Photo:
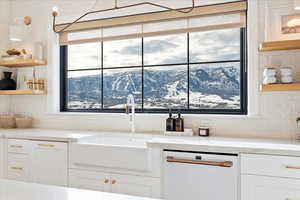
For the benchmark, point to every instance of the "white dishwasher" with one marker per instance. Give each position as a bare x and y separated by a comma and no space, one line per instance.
200,176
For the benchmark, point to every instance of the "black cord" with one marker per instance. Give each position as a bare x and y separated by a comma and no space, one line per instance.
180,10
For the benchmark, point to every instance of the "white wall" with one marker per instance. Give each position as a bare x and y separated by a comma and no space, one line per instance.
276,111
4,15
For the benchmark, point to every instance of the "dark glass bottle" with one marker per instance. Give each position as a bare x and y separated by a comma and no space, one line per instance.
179,123
170,122
7,83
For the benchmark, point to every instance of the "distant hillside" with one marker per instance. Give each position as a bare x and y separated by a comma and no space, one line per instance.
210,87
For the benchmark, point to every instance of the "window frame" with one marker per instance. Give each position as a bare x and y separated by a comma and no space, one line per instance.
243,83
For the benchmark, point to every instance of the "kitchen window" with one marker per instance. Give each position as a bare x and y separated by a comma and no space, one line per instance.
198,72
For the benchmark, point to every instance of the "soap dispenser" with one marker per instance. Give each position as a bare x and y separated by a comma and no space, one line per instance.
170,122
179,123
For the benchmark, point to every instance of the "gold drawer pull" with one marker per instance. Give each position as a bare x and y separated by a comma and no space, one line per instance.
16,146
292,167
113,182
46,145
106,181
17,168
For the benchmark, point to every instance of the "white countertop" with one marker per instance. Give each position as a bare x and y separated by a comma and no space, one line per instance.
12,190
45,134
227,145
185,143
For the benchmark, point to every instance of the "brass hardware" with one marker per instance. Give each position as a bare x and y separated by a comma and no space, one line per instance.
292,167
113,182
16,146
17,168
200,162
106,181
46,145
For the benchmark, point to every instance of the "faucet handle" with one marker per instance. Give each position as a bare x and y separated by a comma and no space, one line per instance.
126,109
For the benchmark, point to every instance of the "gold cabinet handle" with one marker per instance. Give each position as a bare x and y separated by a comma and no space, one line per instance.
292,167
16,146
46,145
106,181
113,182
17,168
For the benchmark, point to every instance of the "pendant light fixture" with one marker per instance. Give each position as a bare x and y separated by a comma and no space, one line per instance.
297,4
116,7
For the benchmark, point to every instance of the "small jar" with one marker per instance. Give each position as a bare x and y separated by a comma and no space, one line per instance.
203,132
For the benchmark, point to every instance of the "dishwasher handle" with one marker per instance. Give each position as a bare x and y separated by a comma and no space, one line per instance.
200,162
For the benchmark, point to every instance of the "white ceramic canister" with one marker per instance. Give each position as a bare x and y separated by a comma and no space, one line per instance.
269,72
286,71
286,79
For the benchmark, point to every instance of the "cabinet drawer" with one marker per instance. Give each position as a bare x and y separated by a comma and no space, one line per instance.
17,168
269,188
17,146
278,166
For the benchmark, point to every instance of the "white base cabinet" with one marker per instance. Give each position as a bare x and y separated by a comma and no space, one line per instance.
116,183
267,177
269,188
135,185
49,163
89,180
37,161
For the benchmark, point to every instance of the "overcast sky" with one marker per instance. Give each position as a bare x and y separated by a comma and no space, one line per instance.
204,46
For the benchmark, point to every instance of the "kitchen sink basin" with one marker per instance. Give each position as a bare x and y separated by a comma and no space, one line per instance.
120,152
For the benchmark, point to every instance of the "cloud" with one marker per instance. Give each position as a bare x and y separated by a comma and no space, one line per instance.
130,50
215,45
155,46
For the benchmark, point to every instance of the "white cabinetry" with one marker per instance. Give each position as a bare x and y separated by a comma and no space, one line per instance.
116,183
135,185
17,160
49,163
269,188
266,177
37,161
90,180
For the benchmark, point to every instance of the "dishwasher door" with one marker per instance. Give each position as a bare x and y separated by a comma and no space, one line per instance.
200,176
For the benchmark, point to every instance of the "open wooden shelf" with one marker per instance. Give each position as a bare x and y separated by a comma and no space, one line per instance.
280,87
280,45
23,63
23,92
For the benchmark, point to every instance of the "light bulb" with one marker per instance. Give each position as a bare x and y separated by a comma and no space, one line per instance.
54,11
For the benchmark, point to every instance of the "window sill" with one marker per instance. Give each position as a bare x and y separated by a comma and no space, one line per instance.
206,116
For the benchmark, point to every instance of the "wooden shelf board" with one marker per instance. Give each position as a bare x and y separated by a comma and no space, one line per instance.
280,45
23,92
23,63
280,87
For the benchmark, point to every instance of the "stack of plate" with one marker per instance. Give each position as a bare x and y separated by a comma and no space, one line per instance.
10,57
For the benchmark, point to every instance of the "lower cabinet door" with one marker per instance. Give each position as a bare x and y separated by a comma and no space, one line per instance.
89,180
49,163
136,185
269,188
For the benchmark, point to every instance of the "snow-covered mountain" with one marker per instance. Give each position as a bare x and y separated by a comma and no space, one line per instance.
210,87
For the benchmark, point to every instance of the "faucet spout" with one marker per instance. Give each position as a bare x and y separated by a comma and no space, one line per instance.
131,105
